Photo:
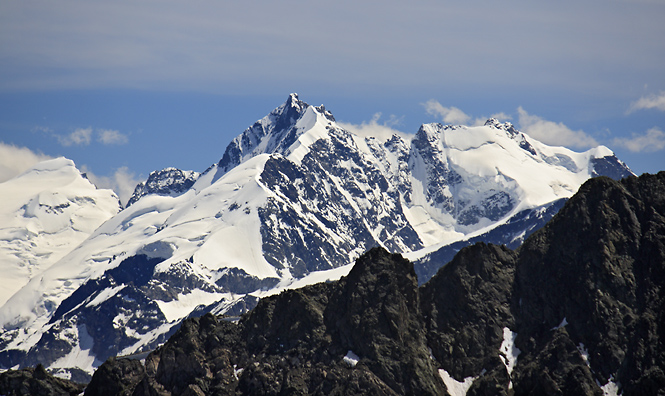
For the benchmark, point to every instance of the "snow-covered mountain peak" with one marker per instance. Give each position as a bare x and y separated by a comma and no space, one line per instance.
601,152
312,126
59,170
168,181
281,132
495,123
294,194
46,212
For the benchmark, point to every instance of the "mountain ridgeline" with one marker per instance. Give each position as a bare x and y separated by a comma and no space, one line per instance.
576,310
294,200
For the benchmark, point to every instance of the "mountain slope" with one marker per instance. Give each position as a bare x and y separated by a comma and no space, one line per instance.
581,300
169,181
361,335
46,212
293,198
609,244
577,309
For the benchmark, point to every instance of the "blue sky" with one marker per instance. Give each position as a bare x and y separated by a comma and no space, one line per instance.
127,87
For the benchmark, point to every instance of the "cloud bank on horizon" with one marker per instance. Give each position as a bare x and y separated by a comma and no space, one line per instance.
568,73
210,45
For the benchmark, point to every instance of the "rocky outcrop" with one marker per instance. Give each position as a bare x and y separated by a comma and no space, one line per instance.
582,297
36,382
466,306
598,268
169,182
361,335
577,309
116,377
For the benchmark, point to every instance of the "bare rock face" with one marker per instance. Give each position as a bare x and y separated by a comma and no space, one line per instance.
361,335
466,305
577,309
36,382
599,268
375,312
116,377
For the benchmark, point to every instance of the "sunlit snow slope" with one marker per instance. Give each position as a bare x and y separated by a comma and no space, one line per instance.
46,212
294,197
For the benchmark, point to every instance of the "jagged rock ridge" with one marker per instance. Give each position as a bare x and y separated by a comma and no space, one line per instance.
36,382
577,309
169,181
300,342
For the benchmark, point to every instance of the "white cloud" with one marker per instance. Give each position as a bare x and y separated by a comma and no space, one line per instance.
83,136
449,115
383,131
110,136
123,182
502,116
553,133
15,160
453,115
651,141
649,102
42,129
80,137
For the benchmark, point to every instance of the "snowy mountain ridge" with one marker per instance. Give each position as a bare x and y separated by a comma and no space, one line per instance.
294,197
168,181
47,211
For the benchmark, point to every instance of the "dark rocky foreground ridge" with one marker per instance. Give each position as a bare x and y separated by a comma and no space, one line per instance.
36,382
583,299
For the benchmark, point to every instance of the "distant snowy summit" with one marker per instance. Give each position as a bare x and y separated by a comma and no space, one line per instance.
169,181
294,198
46,212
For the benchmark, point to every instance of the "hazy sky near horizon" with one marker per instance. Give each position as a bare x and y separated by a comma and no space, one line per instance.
126,87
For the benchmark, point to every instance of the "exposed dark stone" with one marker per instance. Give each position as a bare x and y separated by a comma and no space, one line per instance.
375,312
237,308
295,342
556,368
600,264
324,209
280,127
168,182
306,216
439,174
137,270
610,166
585,296
95,322
466,305
179,278
36,382
116,377
511,234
